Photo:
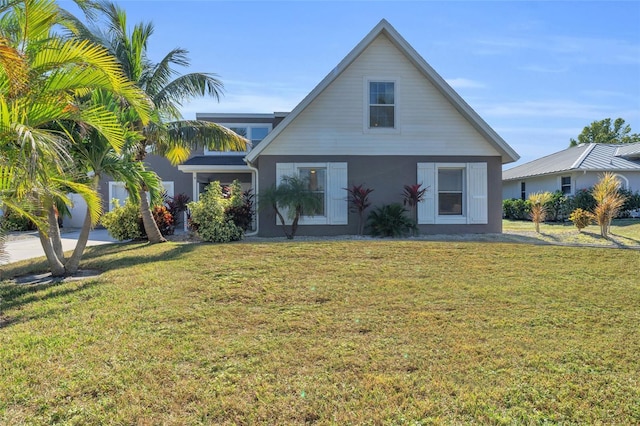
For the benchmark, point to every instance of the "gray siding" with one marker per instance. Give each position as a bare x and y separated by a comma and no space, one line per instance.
386,175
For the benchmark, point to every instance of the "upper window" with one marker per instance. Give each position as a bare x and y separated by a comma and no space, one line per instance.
254,133
565,184
382,105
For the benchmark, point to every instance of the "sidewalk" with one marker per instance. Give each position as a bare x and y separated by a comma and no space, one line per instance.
27,245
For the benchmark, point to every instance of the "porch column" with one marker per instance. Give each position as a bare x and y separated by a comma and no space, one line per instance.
194,184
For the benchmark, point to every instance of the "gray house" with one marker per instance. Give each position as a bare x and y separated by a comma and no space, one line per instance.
574,168
382,118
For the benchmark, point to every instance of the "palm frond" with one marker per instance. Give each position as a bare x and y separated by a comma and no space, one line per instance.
187,87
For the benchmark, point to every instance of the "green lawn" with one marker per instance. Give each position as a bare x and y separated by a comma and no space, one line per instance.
327,332
624,233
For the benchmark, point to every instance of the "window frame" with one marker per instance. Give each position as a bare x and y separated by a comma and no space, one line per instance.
475,194
168,186
563,185
367,105
249,127
523,191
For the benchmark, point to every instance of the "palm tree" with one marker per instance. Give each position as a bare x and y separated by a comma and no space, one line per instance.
167,134
44,83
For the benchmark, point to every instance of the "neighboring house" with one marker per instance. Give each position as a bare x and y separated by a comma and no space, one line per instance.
575,168
382,118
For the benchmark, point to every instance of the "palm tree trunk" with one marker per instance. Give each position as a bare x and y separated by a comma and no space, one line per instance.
71,265
55,264
150,225
54,233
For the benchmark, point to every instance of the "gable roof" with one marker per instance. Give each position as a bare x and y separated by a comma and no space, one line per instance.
507,153
595,157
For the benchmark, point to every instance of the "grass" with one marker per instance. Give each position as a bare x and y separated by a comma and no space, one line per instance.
327,332
624,233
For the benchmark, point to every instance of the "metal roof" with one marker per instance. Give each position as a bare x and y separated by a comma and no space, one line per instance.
594,156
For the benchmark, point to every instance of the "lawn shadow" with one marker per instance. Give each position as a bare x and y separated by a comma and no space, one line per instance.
124,255
15,295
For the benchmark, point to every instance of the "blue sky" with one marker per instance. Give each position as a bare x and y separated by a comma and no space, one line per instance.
537,72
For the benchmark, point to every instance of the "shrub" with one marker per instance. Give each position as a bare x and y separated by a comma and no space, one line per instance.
11,221
358,202
516,209
390,221
539,202
558,207
581,218
583,200
631,202
164,220
242,215
176,206
123,222
208,219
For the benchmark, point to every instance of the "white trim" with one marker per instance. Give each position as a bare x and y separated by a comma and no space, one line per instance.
624,182
507,153
112,186
366,106
213,169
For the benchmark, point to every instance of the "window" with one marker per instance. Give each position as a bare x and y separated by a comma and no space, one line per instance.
327,181
316,179
382,105
254,133
118,191
450,190
565,185
457,193
523,191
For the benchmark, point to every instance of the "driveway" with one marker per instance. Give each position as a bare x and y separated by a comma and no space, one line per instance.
26,245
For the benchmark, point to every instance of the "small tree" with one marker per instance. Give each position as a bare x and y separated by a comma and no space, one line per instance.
412,195
359,202
609,201
539,202
292,198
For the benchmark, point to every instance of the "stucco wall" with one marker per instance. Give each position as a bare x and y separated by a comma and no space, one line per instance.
386,175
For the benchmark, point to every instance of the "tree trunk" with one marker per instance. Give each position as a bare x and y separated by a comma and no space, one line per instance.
55,264
54,233
71,265
150,225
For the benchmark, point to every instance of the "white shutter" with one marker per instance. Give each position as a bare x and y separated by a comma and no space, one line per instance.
477,193
284,169
427,207
337,204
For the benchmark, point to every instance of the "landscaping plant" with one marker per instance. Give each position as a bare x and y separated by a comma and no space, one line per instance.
241,210
390,220
358,203
516,209
539,202
291,198
581,218
208,219
609,201
122,221
177,205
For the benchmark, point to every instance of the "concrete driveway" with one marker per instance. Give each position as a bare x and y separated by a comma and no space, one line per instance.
26,245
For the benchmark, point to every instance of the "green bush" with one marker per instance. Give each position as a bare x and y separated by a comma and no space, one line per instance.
558,207
583,200
11,221
390,220
208,219
631,202
516,209
123,222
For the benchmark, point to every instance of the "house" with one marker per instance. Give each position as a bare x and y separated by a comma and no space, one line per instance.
572,169
383,118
